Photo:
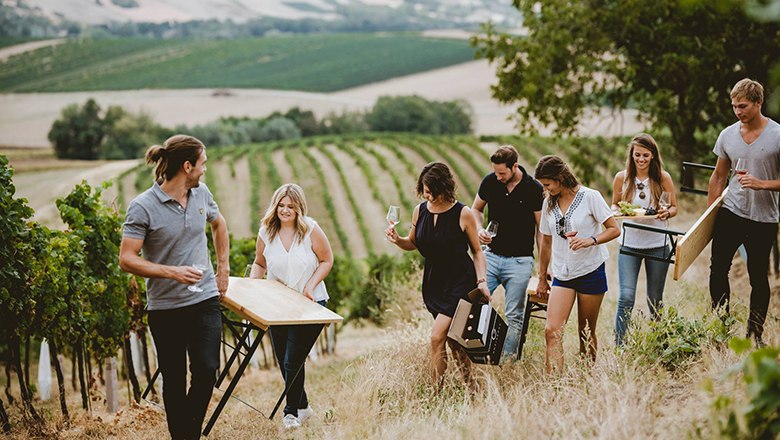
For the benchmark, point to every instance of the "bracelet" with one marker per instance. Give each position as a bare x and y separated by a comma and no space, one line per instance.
480,281
595,241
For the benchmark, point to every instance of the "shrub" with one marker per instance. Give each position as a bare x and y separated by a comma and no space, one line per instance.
759,417
674,341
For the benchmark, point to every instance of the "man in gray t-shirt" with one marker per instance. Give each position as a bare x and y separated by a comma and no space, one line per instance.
167,224
749,215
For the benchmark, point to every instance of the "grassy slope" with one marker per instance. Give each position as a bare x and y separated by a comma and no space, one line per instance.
319,63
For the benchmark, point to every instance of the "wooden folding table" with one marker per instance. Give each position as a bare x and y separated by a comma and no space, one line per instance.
263,304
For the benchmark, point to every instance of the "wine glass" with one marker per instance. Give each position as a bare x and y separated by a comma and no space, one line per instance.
569,231
202,268
492,231
393,215
665,201
740,168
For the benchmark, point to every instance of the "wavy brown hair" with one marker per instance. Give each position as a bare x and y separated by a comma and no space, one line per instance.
554,168
172,154
271,220
438,178
656,170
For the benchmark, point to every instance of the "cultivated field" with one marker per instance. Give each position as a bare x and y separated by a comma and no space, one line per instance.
321,63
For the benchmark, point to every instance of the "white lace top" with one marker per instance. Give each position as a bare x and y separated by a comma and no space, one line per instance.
293,268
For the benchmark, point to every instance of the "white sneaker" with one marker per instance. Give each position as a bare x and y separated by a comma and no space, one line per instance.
291,422
305,413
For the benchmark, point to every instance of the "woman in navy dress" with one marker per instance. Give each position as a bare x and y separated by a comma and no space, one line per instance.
443,230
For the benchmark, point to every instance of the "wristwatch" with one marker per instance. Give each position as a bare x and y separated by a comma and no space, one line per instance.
595,242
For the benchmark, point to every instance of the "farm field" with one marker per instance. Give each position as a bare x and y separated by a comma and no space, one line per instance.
321,63
349,180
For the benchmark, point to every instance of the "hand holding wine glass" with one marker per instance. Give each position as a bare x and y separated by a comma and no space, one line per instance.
740,169
664,203
491,231
393,217
202,268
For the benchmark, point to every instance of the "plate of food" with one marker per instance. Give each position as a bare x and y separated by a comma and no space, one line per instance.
628,211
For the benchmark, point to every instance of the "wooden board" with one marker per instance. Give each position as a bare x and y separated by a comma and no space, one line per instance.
532,283
696,239
266,303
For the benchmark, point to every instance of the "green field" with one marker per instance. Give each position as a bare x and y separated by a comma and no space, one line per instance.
317,63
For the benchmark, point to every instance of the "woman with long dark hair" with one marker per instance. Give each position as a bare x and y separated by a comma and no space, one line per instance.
643,182
576,223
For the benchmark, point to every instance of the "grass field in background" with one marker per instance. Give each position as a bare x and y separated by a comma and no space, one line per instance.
318,63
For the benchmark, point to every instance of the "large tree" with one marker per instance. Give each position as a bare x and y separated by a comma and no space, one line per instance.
674,60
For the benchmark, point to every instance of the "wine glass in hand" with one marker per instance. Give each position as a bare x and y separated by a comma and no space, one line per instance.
393,216
740,168
492,231
202,269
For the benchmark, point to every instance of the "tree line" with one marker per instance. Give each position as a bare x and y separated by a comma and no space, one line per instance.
88,132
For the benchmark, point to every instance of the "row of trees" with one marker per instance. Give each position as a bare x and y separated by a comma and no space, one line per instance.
88,132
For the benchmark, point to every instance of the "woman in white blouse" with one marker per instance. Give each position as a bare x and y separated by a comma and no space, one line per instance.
576,222
293,249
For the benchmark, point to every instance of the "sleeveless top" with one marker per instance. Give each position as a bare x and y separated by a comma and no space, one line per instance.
293,268
636,238
449,273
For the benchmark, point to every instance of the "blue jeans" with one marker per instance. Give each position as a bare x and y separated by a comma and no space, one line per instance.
513,273
292,344
628,272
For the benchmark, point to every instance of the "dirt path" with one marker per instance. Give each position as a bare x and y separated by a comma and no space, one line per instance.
345,215
373,211
42,188
8,52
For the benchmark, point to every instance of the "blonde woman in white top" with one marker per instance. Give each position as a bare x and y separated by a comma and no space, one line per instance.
293,249
642,183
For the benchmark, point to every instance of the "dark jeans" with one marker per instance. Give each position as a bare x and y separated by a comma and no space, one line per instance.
729,233
195,331
292,344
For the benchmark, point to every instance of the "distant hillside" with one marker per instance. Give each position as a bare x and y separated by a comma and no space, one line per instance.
318,63
95,12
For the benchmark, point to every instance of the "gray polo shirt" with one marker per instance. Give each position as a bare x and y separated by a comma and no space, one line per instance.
763,161
173,236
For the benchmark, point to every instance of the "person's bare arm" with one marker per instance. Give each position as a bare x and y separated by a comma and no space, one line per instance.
321,247
219,231
468,223
617,190
131,262
718,180
405,243
259,266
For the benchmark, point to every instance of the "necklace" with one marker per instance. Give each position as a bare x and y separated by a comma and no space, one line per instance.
640,185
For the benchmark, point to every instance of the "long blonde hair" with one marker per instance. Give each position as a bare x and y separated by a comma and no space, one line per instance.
655,170
271,220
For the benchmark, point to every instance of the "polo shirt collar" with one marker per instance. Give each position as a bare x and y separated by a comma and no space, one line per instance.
162,196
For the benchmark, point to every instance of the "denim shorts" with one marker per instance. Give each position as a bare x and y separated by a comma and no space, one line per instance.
594,283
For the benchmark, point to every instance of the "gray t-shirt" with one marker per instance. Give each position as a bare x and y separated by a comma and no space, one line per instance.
763,162
173,236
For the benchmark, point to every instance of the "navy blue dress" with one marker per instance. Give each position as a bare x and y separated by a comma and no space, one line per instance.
449,273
